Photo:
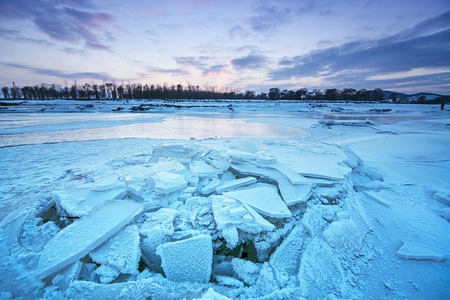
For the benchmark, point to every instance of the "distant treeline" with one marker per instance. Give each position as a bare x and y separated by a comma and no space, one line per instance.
113,91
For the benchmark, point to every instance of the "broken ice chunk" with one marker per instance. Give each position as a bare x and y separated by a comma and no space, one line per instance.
84,235
410,250
245,270
232,213
321,165
266,160
78,201
263,199
166,182
291,194
242,155
171,166
212,294
210,187
442,196
202,169
121,252
234,184
187,260
106,182
344,235
286,257
67,275
161,221
293,176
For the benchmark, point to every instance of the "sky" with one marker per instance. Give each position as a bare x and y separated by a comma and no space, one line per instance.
231,45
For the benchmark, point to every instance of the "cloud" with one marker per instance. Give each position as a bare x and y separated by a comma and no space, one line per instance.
61,74
424,46
67,20
251,61
191,61
215,69
272,14
169,71
206,64
14,35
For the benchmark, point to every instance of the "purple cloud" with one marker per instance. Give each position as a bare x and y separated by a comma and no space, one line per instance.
424,46
61,74
66,20
251,61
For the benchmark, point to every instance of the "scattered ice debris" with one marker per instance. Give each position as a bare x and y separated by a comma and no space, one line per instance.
264,199
84,235
187,260
411,250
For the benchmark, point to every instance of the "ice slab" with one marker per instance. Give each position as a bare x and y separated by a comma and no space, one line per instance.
265,200
234,184
106,182
242,155
202,169
78,201
230,213
84,235
411,250
121,252
321,165
294,177
171,166
291,194
210,187
166,182
286,257
187,260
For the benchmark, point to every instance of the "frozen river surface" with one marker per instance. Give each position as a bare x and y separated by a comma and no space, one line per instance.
361,198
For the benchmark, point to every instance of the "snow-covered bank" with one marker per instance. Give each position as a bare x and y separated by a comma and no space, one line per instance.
354,208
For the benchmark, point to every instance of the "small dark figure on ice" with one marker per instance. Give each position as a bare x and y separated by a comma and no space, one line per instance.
442,105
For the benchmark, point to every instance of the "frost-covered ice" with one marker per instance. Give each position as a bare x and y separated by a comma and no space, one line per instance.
300,202
85,235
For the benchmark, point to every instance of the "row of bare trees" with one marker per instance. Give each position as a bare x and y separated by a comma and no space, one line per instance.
113,91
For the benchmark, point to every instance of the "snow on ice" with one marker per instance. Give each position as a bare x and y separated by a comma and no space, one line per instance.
339,210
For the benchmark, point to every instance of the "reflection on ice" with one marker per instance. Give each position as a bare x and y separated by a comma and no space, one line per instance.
170,128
